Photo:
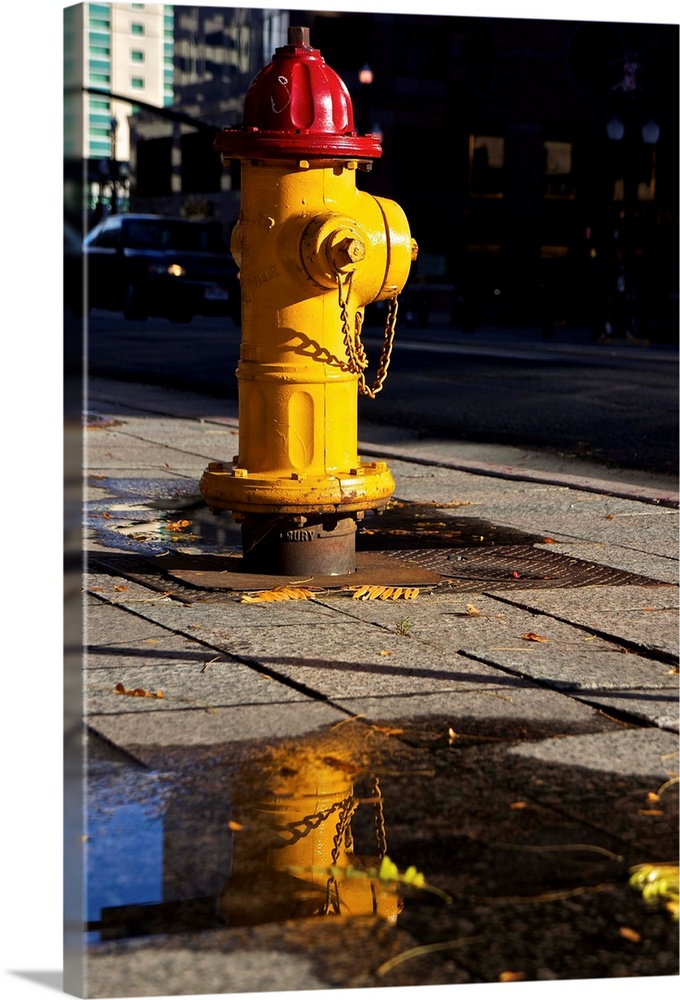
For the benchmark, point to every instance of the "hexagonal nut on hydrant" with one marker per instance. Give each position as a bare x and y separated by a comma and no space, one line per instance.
347,251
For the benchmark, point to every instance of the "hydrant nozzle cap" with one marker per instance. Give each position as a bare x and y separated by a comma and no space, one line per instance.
297,106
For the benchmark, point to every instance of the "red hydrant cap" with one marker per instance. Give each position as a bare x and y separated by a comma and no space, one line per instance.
297,106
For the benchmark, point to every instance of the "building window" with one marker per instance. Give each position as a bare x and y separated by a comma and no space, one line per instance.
486,158
136,56
96,104
557,170
136,29
100,50
137,82
100,78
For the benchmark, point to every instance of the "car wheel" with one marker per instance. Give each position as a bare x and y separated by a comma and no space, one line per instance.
134,306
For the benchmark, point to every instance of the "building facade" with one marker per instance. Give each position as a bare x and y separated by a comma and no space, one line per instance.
114,56
174,168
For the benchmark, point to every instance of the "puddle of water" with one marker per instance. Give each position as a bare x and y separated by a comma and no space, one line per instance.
423,829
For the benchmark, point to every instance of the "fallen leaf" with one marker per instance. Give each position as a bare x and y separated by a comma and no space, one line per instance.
532,637
653,797
549,541
387,652
177,525
517,805
120,588
512,977
515,575
629,934
473,611
609,517
650,812
233,825
372,592
136,692
278,594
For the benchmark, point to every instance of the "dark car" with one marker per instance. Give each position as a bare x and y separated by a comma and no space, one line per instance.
152,265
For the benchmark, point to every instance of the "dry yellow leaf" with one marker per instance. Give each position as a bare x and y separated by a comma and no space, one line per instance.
629,934
472,611
136,692
518,805
532,637
178,525
233,825
278,594
372,592
651,812
512,977
653,797
387,652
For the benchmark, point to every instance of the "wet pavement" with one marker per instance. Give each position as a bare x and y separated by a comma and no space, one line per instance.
453,786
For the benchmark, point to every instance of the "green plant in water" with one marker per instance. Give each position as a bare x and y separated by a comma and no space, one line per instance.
386,873
658,885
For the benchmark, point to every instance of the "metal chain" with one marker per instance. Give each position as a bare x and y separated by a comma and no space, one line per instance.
349,807
302,827
356,356
379,818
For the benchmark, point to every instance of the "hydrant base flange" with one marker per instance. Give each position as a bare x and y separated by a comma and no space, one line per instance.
367,487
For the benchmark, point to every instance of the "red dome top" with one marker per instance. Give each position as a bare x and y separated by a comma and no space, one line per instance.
297,106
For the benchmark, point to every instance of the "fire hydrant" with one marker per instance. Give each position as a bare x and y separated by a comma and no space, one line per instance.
313,252
293,850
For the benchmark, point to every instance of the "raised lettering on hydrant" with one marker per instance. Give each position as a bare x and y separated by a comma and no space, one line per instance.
313,252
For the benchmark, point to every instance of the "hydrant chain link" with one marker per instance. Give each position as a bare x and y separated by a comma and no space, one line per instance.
356,355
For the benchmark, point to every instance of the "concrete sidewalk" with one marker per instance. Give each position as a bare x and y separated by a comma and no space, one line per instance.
590,671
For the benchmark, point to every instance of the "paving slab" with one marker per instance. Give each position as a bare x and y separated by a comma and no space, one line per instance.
594,669
644,619
214,726
517,705
646,753
183,685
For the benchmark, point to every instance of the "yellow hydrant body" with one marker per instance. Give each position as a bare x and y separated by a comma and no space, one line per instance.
313,252
293,850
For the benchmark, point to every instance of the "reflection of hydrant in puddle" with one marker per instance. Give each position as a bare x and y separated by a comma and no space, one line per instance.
293,852
313,252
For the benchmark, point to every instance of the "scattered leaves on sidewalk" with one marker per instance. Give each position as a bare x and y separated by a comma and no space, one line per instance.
512,977
278,594
372,593
137,692
533,637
